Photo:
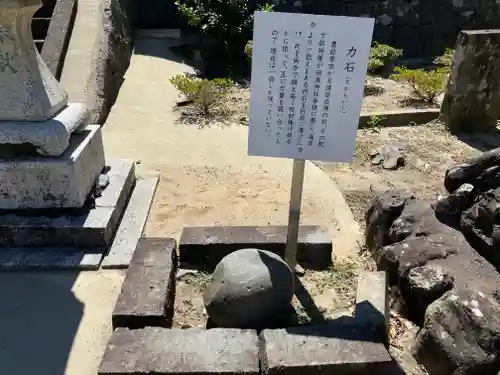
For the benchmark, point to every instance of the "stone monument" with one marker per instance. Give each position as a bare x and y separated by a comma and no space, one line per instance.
472,98
36,119
50,158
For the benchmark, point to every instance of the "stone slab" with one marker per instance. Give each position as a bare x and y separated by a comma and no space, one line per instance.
372,302
39,182
51,137
58,35
323,349
49,258
89,228
162,351
148,291
400,117
206,246
132,224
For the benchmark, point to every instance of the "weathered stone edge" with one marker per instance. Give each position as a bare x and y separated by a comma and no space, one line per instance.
132,224
58,35
111,56
401,117
207,254
372,303
137,320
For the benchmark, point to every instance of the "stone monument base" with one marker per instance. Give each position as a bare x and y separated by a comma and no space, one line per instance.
50,137
108,227
37,182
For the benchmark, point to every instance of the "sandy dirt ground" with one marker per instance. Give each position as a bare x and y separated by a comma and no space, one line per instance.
428,151
206,176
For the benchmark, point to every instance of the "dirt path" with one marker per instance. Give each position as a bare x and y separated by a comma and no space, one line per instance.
206,176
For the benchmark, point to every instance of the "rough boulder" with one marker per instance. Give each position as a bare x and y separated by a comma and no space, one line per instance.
248,289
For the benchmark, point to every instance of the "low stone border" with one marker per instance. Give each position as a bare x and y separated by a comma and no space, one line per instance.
204,247
143,343
148,291
400,117
58,35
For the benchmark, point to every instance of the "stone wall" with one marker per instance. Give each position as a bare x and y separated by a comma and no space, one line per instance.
420,27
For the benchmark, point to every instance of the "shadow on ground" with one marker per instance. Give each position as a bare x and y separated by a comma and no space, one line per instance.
482,141
165,48
39,317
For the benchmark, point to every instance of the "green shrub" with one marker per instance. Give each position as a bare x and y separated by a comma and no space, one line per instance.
204,93
227,22
426,85
382,55
249,49
446,59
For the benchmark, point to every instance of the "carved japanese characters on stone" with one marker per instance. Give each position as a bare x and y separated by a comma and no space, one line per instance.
28,90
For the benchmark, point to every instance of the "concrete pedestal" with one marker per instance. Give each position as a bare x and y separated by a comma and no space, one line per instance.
36,182
48,138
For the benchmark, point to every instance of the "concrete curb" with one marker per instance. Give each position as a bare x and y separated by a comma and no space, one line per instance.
400,117
142,337
58,35
204,247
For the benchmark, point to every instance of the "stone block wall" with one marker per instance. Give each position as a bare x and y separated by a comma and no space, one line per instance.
420,27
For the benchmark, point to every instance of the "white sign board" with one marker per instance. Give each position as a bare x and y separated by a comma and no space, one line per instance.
308,76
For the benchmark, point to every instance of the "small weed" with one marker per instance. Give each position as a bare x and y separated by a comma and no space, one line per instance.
342,277
426,84
375,121
204,94
200,279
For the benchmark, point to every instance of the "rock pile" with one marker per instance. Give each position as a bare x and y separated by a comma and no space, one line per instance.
443,256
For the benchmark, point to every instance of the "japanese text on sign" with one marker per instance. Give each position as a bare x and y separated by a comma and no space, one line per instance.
308,73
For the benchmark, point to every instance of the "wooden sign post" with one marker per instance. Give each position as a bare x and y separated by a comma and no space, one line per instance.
308,76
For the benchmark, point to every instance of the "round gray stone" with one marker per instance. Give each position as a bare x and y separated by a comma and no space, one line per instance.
249,287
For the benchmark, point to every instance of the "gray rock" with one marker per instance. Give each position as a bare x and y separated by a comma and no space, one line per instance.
461,335
481,225
424,285
469,171
385,208
103,181
404,235
389,155
449,209
248,288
